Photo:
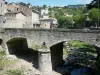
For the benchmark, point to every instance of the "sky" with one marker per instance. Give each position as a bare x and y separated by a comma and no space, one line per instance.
52,2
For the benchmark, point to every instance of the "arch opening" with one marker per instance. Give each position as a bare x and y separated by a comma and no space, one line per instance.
1,44
67,56
19,48
0,41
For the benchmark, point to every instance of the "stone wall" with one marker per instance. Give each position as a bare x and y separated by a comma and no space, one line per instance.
52,36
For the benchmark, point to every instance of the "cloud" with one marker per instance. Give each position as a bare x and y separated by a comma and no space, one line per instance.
83,1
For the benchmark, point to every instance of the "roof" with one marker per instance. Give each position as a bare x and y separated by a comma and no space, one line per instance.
19,8
46,19
15,13
33,10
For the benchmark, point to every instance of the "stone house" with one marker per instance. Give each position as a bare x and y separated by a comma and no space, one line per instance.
14,16
48,23
35,19
15,20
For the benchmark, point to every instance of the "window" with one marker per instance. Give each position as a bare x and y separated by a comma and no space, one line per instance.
1,4
17,9
33,25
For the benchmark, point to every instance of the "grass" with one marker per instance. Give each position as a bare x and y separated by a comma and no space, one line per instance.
65,52
5,62
2,53
77,44
15,72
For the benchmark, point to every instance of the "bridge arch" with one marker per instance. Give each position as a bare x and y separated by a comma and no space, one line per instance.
1,43
17,45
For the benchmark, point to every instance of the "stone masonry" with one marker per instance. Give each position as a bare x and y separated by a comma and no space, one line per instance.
53,39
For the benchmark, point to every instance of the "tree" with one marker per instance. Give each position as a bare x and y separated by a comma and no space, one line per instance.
94,15
21,3
94,4
64,22
79,20
24,4
77,11
44,6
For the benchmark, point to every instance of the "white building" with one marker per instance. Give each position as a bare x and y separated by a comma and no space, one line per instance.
44,13
45,21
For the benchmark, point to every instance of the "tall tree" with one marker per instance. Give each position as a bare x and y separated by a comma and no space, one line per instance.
64,22
94,4
94,15
79,20
44,6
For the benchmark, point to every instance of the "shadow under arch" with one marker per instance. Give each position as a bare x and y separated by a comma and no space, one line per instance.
18,46
1,41
1,45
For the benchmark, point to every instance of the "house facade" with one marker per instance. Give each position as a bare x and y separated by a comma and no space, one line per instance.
35,19
15,20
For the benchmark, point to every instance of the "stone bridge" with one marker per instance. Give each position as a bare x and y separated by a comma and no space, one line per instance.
53,40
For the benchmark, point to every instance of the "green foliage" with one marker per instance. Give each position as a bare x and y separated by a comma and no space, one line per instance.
79,20
64,22
97,67
2,53
94,3
5,62
94,14
67,22
83,52
44,6
77,44
15,72
24,4
77,12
